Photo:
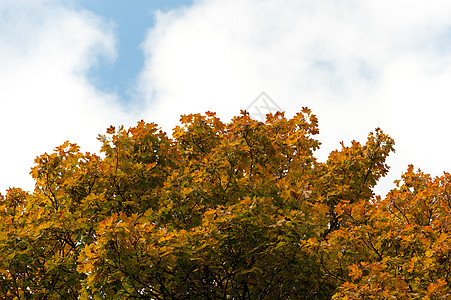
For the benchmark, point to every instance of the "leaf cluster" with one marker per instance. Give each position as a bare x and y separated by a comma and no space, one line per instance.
238,210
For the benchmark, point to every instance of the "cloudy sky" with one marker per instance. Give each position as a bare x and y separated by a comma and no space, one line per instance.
69,69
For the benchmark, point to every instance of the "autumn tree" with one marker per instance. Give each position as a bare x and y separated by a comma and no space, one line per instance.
237,210
397,247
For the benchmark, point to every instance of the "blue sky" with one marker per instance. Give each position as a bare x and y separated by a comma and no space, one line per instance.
70,69
132,20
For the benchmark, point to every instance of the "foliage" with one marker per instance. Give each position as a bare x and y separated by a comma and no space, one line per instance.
238,210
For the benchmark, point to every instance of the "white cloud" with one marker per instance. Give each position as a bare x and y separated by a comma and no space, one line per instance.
46,51
358,64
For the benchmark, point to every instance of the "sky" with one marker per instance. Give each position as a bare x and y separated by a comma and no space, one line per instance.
70,69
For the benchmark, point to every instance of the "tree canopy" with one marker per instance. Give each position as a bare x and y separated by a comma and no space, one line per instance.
237,210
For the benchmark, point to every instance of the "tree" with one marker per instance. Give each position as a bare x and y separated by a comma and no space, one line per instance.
238,210
398,247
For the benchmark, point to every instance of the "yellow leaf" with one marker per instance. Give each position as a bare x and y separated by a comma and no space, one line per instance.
355,272
442,238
